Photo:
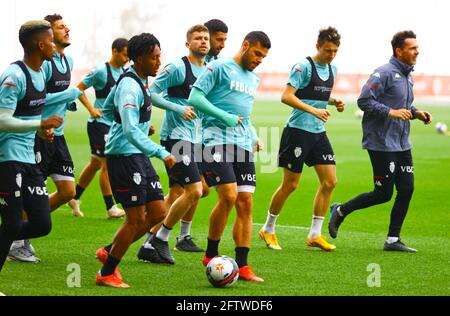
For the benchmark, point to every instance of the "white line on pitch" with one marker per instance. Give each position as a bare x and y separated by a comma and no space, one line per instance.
282,226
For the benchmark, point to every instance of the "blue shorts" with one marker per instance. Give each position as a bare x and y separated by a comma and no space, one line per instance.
298,147
133,179
54,159
97,133
230,164
22,188
186,170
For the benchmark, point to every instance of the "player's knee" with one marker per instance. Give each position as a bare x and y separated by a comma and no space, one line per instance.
329,185
45,227
67,194
194,194
289,187
244,204
405,192
205,191
383,196
229,198
11,229
96,164
137,221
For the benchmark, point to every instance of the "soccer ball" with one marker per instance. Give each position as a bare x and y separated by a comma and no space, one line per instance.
222,271
441,128
359,114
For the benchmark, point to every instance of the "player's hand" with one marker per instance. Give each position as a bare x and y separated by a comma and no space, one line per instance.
401,114
46,134
424,116
259,146
189,113
96,113
322,114
339,105
170,161
152,130
239,120
54,121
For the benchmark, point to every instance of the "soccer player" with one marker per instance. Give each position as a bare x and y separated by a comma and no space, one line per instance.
102,78
183,138
218,31
225,93
304,139
54,158
22,96
386,100
134,181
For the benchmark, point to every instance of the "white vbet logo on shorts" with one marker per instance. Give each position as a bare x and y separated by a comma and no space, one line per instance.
137,178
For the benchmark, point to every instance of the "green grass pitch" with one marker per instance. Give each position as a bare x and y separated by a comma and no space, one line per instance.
296,270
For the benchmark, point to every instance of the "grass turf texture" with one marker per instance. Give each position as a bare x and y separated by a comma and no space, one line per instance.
296,270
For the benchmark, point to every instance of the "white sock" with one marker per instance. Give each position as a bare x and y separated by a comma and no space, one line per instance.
185,229
17,244
391,240
269,226
163,233
316,227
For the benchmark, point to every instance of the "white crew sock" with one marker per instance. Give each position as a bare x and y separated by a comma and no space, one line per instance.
269,226
316,227
163,233
391,240
185,229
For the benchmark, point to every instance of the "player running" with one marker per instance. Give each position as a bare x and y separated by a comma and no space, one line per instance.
225,93
183,139
304,139
102,78
22,97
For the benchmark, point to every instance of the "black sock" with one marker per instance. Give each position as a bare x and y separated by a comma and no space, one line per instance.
109,266
79,192
241,256
213,248
109,202
108,248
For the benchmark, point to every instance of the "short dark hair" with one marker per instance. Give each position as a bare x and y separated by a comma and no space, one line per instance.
398,41
29,30
215,26
258,37
330,34
119,44
52,18
196,28
142,44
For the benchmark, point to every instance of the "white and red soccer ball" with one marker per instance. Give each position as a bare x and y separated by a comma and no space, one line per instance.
222,271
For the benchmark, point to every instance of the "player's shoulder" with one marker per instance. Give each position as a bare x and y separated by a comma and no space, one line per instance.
98,70
302,65
13,74
69,60
219,63
129,85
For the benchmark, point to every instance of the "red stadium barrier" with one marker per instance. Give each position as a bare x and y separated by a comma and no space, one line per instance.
274,82
424,86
